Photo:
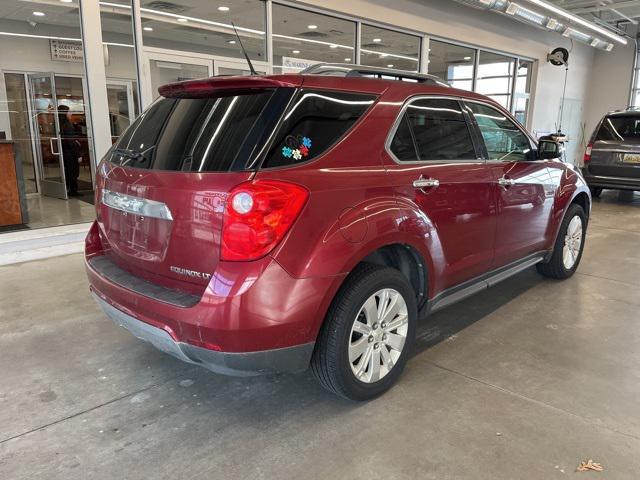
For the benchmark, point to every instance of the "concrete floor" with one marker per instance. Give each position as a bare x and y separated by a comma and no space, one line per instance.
522,381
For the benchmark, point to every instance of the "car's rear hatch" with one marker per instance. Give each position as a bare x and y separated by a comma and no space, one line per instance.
163,186
615,150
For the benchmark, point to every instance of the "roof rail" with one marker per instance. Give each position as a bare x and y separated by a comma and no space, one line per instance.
351,70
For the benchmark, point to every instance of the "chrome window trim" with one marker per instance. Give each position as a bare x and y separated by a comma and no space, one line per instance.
396,123
135,205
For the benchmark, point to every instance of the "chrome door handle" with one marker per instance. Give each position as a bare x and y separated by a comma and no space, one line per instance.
426,183
506,182
53,150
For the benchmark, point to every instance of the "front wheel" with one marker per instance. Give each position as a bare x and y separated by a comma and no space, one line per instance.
368,334
567,251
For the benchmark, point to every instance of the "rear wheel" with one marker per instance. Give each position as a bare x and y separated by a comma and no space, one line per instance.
368,334
595,191
567,251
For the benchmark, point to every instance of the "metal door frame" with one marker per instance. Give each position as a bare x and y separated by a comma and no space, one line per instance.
44,184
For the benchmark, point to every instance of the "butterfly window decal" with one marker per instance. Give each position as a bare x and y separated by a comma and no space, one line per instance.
296,147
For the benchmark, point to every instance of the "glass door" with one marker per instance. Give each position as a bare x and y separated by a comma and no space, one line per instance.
46,135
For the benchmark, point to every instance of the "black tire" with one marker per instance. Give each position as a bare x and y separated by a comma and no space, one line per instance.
555,267
330,362
596,191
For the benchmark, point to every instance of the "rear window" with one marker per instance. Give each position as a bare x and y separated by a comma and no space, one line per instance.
619,128
201,135
315,121
433,129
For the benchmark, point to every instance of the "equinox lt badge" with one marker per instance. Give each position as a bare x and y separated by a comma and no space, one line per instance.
190,273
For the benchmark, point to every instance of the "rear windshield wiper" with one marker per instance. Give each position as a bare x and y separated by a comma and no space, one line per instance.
131,155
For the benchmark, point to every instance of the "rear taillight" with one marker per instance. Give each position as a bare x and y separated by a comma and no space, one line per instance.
587,153
257,216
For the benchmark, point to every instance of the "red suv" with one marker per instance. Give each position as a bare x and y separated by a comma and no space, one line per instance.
271,223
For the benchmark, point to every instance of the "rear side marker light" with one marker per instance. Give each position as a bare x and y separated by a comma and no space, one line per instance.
587,153
257,216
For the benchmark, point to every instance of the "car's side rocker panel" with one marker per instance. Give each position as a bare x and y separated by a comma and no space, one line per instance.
483,282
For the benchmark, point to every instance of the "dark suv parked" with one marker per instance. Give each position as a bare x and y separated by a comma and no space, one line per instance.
612,157
272,223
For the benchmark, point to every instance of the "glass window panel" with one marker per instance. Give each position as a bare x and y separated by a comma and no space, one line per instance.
402,144
381,47
522,90
201,27
45,37
19,127
317,120
453,64
495,77
440,130
200,135
503,139
302,39
120,65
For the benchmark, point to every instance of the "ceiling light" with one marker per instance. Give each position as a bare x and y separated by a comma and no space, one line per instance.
467,58
231,42
552,24
390,65
223,9
148,29
312,27
576,19
296,51
609,47
183,20
594,42
39,14
333,46
347,59
377,40
66,1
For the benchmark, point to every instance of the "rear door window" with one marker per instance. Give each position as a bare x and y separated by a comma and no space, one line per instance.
316,121
203,134
433,129
619,128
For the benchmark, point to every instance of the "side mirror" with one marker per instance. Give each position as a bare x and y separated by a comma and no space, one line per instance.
548,149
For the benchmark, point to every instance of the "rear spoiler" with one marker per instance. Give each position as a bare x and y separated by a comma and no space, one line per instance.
226,86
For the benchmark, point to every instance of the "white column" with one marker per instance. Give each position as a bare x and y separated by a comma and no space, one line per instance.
96,81
269,36
144,73
424,55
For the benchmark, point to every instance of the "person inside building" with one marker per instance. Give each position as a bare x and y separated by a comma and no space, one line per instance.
70,152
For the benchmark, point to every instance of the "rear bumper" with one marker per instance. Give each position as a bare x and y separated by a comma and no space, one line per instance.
619,183
291,359
253,317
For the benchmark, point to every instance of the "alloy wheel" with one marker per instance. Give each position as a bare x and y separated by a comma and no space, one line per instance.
572,243
378,335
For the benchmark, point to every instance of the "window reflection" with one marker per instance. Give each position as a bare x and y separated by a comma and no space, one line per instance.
522,91
203,27
452,63
381,47
302,39
495,77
